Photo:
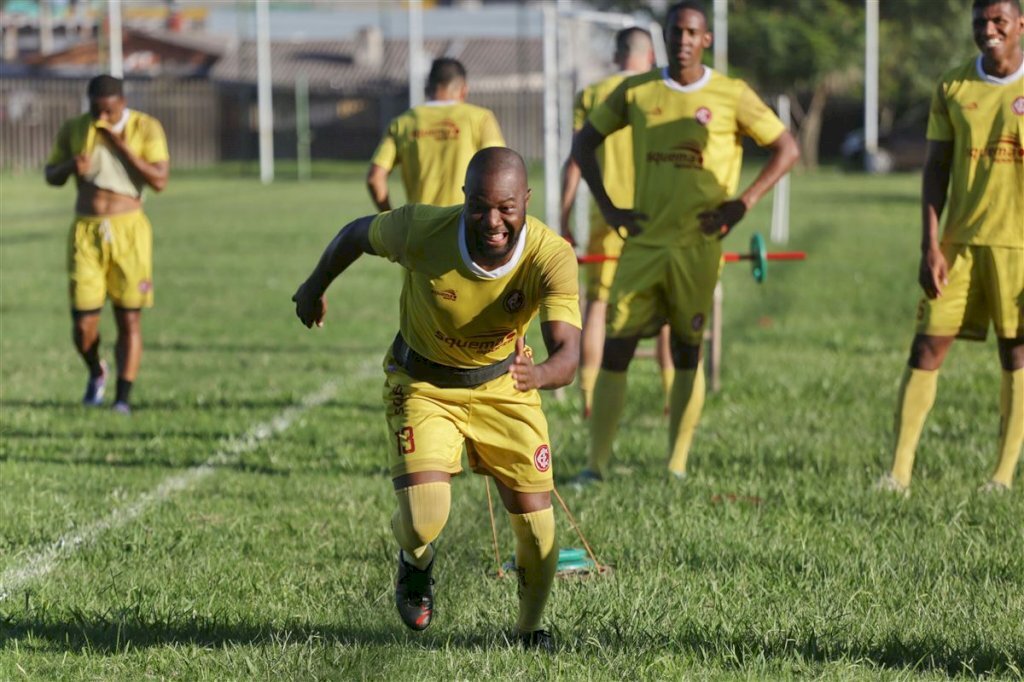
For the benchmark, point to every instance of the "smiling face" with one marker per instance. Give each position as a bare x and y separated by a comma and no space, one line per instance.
997,31
495,210
686,38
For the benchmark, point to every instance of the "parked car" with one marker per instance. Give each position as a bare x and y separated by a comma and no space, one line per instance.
902,148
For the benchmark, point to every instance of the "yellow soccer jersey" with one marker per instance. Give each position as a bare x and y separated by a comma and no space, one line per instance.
454,313
686,145
434,143
142,133
983,117
615,156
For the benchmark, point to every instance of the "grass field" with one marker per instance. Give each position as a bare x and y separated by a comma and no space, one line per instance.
236,526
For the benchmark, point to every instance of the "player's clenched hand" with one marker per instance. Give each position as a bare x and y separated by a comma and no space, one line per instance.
624,218
310,307
522,369
721,220
933,274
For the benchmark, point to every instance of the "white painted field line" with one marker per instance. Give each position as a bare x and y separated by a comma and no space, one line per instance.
45,560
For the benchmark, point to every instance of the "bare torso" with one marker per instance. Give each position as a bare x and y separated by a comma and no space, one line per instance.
102,202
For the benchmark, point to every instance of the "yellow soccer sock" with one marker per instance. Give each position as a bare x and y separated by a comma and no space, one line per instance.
668,377
420,517
609,401
917,394
536,562
1011,426
588,377
686,405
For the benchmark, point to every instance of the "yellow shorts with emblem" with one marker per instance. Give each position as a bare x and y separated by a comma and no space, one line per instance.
657,285
111,257
986,284
504,430
599,276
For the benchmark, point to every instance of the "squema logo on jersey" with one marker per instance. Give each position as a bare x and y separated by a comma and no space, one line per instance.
1007,149
483,343
446,294
683,155
442,131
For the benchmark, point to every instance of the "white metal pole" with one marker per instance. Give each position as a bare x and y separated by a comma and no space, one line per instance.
551,160
417,70
871,83
721,33
264,91
114,25
780,199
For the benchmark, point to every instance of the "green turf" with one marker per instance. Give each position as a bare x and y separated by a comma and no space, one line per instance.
774,560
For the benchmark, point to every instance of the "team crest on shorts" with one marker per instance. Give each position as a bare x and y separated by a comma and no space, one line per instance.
703,116
697,322
514,301
145,286
542,458
1018,106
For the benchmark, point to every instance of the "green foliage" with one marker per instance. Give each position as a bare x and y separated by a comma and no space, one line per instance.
774,560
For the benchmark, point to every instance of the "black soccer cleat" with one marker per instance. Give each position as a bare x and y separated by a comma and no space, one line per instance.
538,640
414,594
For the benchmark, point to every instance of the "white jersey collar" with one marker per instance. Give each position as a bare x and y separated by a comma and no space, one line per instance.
440,102
517,254
995,80
667,79
120,125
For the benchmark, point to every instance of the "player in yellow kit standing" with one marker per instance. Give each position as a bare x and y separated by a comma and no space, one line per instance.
974,274
686,122
459,372
114,153
433,142
634,53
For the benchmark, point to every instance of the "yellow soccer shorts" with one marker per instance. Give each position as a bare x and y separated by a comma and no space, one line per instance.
111,256
986,284
598,276
504,430
657,285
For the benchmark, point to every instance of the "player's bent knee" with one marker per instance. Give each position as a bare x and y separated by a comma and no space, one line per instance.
928,352
422,513
684,356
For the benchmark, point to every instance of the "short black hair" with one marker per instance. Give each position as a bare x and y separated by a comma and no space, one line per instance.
695,5
443,71
982,4
632,39
105,86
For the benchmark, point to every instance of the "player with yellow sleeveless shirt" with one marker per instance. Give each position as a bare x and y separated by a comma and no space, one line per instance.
686,123
974,274
459,372
114,153
433,142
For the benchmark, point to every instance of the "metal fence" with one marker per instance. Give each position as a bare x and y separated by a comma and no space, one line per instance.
209,122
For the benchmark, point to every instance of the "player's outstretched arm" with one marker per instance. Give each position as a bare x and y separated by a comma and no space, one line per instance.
377,184
351,242
584,152
934,270
563,343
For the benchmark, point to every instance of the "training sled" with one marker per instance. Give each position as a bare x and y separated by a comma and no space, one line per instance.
572,562
758,257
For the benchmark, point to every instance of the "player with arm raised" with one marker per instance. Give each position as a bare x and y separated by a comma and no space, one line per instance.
974,274
686,123
634,53
476,275
113,153
433,142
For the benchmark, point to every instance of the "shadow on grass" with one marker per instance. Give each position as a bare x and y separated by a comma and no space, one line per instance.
114,636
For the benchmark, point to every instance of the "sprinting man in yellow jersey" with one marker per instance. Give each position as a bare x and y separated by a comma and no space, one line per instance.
114,153
974,274
433,142
686,122
459,372
634,53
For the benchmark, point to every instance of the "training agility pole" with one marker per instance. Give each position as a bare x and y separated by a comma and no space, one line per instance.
570,561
